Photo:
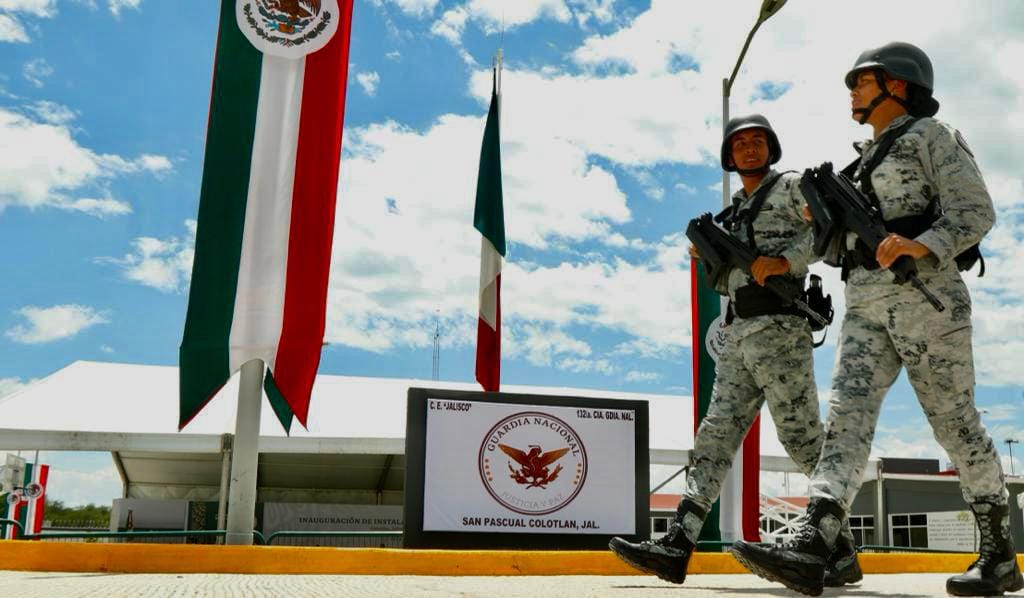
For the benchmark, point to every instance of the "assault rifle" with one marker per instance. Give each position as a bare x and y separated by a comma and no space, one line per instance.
838,207
720,251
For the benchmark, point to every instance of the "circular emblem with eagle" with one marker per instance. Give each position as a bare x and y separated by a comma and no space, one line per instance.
288,28
533,463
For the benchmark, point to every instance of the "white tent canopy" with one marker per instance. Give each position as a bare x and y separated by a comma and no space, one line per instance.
355,442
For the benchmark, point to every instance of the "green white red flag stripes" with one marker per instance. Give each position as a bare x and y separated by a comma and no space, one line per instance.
489,219
28,511
266,218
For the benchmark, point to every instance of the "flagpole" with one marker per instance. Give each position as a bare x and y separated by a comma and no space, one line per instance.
499,58
245,455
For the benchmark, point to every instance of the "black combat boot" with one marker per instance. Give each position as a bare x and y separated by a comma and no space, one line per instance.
842,567
996,569
800,563
668,556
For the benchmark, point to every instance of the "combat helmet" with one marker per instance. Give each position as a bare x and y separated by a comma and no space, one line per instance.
902,61
742,123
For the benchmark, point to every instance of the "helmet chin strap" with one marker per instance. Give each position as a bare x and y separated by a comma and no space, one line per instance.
754,171
863,114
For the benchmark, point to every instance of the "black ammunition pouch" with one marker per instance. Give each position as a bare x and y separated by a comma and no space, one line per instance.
755,300
820,303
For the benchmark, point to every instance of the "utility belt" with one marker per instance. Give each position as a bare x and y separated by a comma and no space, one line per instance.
910,227
753,300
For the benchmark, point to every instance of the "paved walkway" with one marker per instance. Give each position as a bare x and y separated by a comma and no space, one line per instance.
32,583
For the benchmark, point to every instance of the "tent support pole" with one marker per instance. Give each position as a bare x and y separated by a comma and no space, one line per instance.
245,456
225,479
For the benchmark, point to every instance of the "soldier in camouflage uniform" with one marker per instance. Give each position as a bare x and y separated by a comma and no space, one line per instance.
767,354
937,209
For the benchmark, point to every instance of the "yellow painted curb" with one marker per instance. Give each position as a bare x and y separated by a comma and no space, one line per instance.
176,558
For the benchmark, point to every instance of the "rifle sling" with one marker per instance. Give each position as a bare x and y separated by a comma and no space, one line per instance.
733,216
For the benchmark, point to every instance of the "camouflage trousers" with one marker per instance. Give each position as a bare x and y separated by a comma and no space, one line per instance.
772,363
888,327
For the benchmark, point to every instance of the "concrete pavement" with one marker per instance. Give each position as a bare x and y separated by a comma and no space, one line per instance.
105,585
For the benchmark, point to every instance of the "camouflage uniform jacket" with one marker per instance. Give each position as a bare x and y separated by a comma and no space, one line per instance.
930,161
779,231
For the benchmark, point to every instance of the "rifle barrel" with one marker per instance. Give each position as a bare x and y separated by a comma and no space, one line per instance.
936,303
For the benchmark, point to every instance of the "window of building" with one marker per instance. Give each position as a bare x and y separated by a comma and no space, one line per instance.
863,529
910,530
659,525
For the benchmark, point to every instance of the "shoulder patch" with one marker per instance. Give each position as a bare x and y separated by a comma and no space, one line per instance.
962,143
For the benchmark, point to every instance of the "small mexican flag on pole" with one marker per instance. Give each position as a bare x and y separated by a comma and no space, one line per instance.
266,207
30,505
489,219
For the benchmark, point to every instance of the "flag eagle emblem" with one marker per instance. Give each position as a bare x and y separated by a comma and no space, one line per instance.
288,28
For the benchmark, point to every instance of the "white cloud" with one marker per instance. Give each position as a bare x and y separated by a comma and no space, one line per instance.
99,487
393,55
493,15
687,189
47,324
36,8
42,165
638,376
36,71
415,8
540,345
580,366
155,164
11,385
369,82
99,207
451,24
165,265
385,288
52,112
998,308
1001,412
11,30
116,6
107,349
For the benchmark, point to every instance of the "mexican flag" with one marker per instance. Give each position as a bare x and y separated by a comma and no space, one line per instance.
266,207
28,511
489,219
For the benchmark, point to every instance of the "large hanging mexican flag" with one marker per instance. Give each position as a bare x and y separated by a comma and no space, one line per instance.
489,219
266,207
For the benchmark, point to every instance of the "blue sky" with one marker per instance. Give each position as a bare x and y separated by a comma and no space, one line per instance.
611,121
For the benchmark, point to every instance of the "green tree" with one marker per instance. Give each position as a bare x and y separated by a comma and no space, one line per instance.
56,511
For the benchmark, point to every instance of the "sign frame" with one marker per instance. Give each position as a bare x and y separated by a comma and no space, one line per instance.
415,475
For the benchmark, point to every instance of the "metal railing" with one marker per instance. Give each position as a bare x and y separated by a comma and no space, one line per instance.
883,548
125,535
338,538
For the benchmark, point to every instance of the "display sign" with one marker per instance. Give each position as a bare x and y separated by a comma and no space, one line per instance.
952,530
297,517
492,466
